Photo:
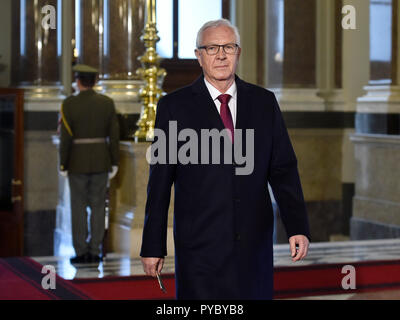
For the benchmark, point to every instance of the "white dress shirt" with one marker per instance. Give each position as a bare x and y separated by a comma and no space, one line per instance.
232,91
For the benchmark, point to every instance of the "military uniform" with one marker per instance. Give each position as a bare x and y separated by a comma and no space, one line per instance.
89,148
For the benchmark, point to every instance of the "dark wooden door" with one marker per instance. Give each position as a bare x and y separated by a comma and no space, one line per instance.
11,172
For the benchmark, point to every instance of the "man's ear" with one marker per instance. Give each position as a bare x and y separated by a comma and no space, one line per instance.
198,56
239,52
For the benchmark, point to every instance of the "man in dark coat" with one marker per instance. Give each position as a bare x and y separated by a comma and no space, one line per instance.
223,219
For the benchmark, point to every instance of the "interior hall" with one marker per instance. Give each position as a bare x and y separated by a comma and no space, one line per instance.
334,67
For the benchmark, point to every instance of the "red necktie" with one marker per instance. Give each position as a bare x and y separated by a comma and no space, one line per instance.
226,113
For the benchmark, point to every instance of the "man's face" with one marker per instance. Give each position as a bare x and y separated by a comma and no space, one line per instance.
222,66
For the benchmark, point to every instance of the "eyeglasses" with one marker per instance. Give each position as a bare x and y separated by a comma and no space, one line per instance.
229,48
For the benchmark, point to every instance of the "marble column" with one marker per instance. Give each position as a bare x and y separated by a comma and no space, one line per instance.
67,48
5,43
36,50
292,63
329,36
275,27
123,26
36,54
89,26
244,16
36,68
304,69
306,64
377,201
107,36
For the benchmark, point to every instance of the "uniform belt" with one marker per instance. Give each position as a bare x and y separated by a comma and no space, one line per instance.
90,140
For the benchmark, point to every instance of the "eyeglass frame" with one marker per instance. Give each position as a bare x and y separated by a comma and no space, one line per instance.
219,47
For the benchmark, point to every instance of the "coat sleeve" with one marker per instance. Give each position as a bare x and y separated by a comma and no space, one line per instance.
66,137
284,179
114,137
161,178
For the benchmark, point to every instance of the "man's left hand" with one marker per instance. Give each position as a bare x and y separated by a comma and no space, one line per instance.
64,173
113,172
302,250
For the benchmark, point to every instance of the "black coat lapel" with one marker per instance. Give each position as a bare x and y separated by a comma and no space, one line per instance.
208,110
206,105
243,106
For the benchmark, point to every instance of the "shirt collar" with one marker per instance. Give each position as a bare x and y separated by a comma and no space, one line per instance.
215,93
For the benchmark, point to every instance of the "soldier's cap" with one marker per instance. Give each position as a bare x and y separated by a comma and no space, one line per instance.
83,68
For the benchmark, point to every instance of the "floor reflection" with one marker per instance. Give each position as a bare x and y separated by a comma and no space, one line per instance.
113,265
319,253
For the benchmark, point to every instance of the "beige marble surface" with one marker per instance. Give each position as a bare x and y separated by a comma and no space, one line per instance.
40,171
319,155
377,158
128,195
377,178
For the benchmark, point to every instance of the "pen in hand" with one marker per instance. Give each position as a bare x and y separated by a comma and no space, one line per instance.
161,283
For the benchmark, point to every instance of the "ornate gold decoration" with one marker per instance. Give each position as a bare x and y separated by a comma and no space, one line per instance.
152,74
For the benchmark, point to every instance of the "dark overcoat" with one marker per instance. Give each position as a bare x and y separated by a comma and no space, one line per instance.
223,222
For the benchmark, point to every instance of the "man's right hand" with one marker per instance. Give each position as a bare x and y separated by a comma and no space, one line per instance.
152,266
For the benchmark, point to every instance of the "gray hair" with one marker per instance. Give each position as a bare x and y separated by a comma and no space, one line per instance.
217,23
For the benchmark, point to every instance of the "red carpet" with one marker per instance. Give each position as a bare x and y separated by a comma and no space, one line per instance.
290,282
20,278
127,288
326,279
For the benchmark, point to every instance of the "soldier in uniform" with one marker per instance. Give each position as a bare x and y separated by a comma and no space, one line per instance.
89,149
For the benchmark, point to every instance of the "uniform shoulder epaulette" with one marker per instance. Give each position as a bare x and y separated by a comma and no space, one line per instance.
64,120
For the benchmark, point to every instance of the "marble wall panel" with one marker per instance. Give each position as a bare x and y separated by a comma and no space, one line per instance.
299,67
338,43
88,29
377,210
41,173
40,192
39,233
362,229
35,50
122,45
377,192
275,30
128,195
319,155
377,157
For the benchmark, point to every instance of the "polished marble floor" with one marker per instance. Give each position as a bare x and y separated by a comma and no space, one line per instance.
319,253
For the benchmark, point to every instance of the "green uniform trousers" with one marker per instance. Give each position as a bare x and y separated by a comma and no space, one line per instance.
88,191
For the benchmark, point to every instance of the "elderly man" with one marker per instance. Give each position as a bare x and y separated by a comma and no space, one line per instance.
223,221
